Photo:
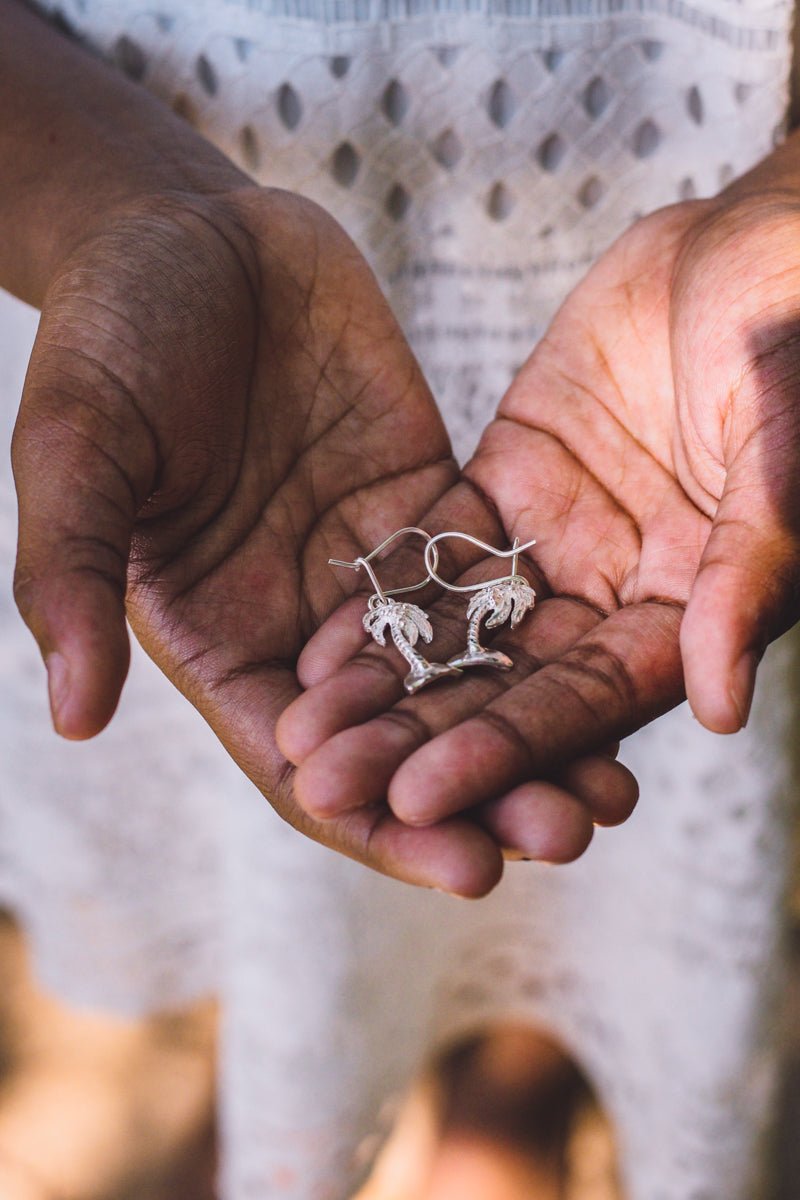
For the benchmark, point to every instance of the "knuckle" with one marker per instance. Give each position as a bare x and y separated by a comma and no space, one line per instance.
96,556
410,723
65,404
381,666
525,663
76,558
600,679
80,418
521,760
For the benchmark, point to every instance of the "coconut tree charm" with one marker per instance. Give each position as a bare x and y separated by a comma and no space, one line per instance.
511,597
405,624
496,600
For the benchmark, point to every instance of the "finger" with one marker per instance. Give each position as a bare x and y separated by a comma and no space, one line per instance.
341,635
611,750
745,593
81,475
371,683
539,821
332,646
351,771
355,767
348,755
364,686
456,856
355,772
242,704
618,677
607,788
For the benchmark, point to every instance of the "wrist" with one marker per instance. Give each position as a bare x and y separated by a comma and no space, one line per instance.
79,144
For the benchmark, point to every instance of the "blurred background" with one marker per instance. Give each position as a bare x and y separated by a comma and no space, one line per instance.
98,1108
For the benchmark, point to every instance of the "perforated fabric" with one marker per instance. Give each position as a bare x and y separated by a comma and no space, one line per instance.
480,152
482,155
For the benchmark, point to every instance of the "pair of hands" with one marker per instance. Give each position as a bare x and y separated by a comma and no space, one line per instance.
219,400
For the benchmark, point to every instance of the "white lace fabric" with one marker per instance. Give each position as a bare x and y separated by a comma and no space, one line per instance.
481,154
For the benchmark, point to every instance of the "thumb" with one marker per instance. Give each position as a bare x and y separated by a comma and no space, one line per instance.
746,589
74,455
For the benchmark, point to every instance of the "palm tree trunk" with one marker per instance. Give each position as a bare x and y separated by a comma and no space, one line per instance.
412,656
422,672
474,628
476,655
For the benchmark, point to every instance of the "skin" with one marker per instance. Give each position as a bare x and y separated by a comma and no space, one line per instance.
219,400
651,445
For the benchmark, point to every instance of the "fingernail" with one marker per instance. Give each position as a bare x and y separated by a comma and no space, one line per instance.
743,682
57,683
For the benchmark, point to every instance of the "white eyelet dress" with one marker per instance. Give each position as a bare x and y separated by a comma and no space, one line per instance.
482,153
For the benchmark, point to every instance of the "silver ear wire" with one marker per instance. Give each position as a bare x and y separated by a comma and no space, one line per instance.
366,559
496,600
432,562
405,623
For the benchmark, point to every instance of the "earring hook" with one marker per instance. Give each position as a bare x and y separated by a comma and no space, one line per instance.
365,562
431,550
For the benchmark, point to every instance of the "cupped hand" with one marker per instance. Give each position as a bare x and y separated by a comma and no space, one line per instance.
651,444
218,401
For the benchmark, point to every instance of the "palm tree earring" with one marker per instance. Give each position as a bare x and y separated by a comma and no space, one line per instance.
507,596
405,623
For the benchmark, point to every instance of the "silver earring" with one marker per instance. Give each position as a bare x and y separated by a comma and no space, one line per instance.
405,623
507,596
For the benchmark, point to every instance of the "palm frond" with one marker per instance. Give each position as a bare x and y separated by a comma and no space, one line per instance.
523,597
378,620
415,624
480,603
404,621
511,597
501,603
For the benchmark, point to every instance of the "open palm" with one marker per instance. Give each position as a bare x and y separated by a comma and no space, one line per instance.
650,444
219,400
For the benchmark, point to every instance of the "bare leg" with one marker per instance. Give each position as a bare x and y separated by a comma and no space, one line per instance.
93,1106
507,1116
